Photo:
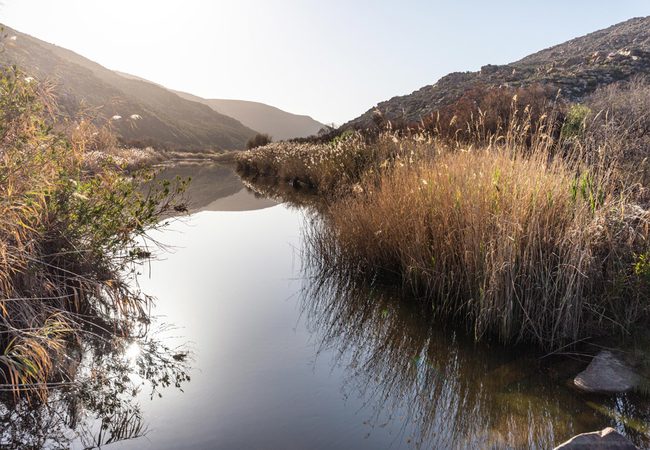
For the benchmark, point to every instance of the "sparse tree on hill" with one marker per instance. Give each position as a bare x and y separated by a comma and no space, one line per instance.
259,140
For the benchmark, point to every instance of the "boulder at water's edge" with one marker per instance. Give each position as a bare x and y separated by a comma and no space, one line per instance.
607,373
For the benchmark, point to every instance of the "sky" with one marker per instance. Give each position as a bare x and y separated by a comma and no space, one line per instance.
332,60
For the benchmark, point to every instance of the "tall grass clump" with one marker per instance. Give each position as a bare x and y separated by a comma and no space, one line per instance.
66,238
517,243
313,165
325,167
526,223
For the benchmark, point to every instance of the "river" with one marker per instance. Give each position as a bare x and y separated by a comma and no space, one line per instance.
281,359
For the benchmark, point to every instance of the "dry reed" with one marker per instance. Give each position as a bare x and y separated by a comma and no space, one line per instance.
64,239
128,159
524,247
524,234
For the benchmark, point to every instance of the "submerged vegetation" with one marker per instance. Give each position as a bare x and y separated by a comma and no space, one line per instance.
502,216
67,239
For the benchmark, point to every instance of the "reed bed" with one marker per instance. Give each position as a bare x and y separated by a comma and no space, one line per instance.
323,167
525,247
127,159
526,235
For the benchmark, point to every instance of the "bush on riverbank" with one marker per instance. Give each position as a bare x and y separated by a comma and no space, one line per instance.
518,235
618,126
65,238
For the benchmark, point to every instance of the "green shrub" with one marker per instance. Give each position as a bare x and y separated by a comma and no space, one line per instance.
346,134
574,124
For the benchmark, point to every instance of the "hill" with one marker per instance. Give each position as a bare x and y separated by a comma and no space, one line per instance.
577,67
281,125
147,113
263,118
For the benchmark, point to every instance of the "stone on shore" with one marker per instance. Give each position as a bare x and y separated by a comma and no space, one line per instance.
607,373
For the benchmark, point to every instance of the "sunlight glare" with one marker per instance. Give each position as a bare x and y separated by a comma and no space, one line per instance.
132,351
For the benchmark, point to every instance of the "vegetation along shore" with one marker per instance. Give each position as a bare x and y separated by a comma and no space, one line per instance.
69,237
516,214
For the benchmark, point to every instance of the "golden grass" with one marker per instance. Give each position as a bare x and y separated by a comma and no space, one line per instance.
313,165
521,235
524,247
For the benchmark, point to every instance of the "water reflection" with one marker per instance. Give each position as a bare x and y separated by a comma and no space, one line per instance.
215,188
97,405
434,388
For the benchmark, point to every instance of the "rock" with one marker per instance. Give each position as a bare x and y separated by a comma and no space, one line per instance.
575,60
489,69
607,373
607,439
640,53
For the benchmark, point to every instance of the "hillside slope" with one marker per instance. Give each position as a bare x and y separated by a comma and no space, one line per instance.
147,112
577,67
263,118
281,125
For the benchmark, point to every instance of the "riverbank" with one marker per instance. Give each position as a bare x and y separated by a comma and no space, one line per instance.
67,240
524,236
133,159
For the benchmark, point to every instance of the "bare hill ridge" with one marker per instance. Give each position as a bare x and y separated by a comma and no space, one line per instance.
281,125
577,67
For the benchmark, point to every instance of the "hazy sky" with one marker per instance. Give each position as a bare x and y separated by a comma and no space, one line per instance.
332,60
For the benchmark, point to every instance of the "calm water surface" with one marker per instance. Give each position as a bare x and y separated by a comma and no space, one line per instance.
287,360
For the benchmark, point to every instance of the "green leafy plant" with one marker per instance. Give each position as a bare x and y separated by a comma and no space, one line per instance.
574,124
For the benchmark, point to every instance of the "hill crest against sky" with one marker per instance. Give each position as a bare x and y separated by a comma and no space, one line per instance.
281,125
165,119
576,67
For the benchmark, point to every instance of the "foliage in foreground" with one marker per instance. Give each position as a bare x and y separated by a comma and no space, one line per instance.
65,239
518,235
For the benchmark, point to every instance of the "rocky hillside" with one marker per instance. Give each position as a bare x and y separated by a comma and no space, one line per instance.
142,112
576,67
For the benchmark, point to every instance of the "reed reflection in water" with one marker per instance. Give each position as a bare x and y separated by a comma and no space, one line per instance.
99,403
436,388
